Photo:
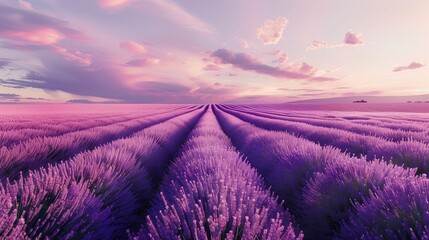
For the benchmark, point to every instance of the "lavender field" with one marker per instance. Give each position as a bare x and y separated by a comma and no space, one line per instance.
212,172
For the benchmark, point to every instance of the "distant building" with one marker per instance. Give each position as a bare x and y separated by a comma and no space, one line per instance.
360,101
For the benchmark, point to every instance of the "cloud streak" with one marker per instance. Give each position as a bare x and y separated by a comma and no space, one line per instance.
114,4
16,98
177,14
9,96
133,47
370,93
41,36
300,90
315,45
212,67
4,62
350,39
143,62
168,8
413,65
102,80
26,27
282,57
248,62
80,58
25,5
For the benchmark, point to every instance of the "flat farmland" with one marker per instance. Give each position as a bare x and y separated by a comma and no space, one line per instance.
214,171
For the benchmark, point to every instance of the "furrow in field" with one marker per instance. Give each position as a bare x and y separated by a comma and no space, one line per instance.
98,194
405,153
361,118
203,196
324,187
8,138
38,152
67,119
22,121
387,134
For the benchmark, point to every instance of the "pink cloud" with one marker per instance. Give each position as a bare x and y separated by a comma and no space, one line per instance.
370,93
282,57
314,94
144,62
25,29
114,3
271,31
248,62
42,36
315,45
353,38
349,39
102,81
244,44
25,5
259,99
133,47
28,28
216,92
80,58
300,90
413,65
212,67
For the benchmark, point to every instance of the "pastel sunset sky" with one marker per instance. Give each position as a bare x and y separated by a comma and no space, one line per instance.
183,51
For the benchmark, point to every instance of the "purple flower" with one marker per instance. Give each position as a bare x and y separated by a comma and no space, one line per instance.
399,211
204,196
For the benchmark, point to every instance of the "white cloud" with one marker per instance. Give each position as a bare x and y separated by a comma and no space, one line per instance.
271,31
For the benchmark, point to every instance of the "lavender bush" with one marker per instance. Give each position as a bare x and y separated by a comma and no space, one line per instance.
408,153
114,174
206,172
204,197
328,198
400,211
318,184
41,151
363,129
48,205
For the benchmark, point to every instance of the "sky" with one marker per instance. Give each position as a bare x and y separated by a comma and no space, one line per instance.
177,51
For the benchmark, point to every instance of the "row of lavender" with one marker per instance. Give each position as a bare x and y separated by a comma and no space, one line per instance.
39,151
19,121
331,194
211,192
97,194
408,153
385,112
411,130
398,121
13,132
101,193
